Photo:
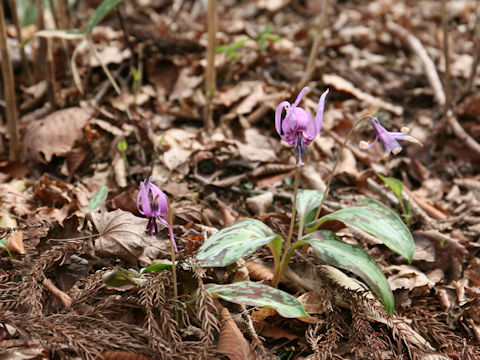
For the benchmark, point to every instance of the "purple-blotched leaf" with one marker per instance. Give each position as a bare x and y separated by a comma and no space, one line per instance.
378,220
240,239
328,247
255,294
307,200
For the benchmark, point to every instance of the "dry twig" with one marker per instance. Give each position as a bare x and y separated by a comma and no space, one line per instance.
9,89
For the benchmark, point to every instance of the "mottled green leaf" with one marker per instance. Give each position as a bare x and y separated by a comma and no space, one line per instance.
328,247
102,10
378,220
236,241
156,268
307,201
255,294
99,198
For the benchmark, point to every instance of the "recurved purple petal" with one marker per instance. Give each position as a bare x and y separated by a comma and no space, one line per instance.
143,203
319,115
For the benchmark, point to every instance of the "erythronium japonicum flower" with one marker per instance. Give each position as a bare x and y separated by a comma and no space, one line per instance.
153,203
298,127
389,139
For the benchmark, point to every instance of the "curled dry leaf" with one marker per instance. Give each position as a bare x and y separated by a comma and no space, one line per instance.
231,341
55,134
15,242
122,235
258,271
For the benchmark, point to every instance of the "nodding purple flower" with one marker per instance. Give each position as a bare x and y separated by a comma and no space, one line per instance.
389,139
153,203
298,127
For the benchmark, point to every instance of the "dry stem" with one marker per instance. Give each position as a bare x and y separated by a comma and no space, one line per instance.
16,21
314,50
417,47
9,89
210,75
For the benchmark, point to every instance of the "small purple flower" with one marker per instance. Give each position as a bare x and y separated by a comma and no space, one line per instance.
153,203
298,126
388,138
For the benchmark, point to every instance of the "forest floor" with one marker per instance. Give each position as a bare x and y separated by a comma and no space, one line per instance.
80,137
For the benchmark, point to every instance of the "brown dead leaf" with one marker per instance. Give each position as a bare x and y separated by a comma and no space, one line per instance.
276,332
262,313
52,191
55,134
407,277
122,235
348,164
14,200
258,271
258,147
175,157
121,355
342,84
260,204
15,242
272,5
231,341
313,302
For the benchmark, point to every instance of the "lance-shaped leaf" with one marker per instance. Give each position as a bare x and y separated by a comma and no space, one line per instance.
255,294
378,220
328,247
236,241
99,198
102,10
308,200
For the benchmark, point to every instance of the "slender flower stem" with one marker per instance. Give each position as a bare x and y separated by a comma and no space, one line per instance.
174,279
294,210
337,161
169,219
281,266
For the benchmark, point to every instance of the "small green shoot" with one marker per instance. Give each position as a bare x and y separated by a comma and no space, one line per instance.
397,187
265,36
3,243
231,49
122,147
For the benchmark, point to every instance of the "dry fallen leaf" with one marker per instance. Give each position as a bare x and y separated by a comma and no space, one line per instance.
55,134
231,341
122,235
15,243
407,277
258,271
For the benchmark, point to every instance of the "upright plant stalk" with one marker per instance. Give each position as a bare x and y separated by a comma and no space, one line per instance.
446,55
281,266
337,161
9,89
314,50
18,27
210,74
174,267
476,50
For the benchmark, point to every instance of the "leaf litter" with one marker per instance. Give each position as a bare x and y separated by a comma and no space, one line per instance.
381,57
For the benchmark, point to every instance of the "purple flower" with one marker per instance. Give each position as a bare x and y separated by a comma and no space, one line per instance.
153,203
298,127
389,139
